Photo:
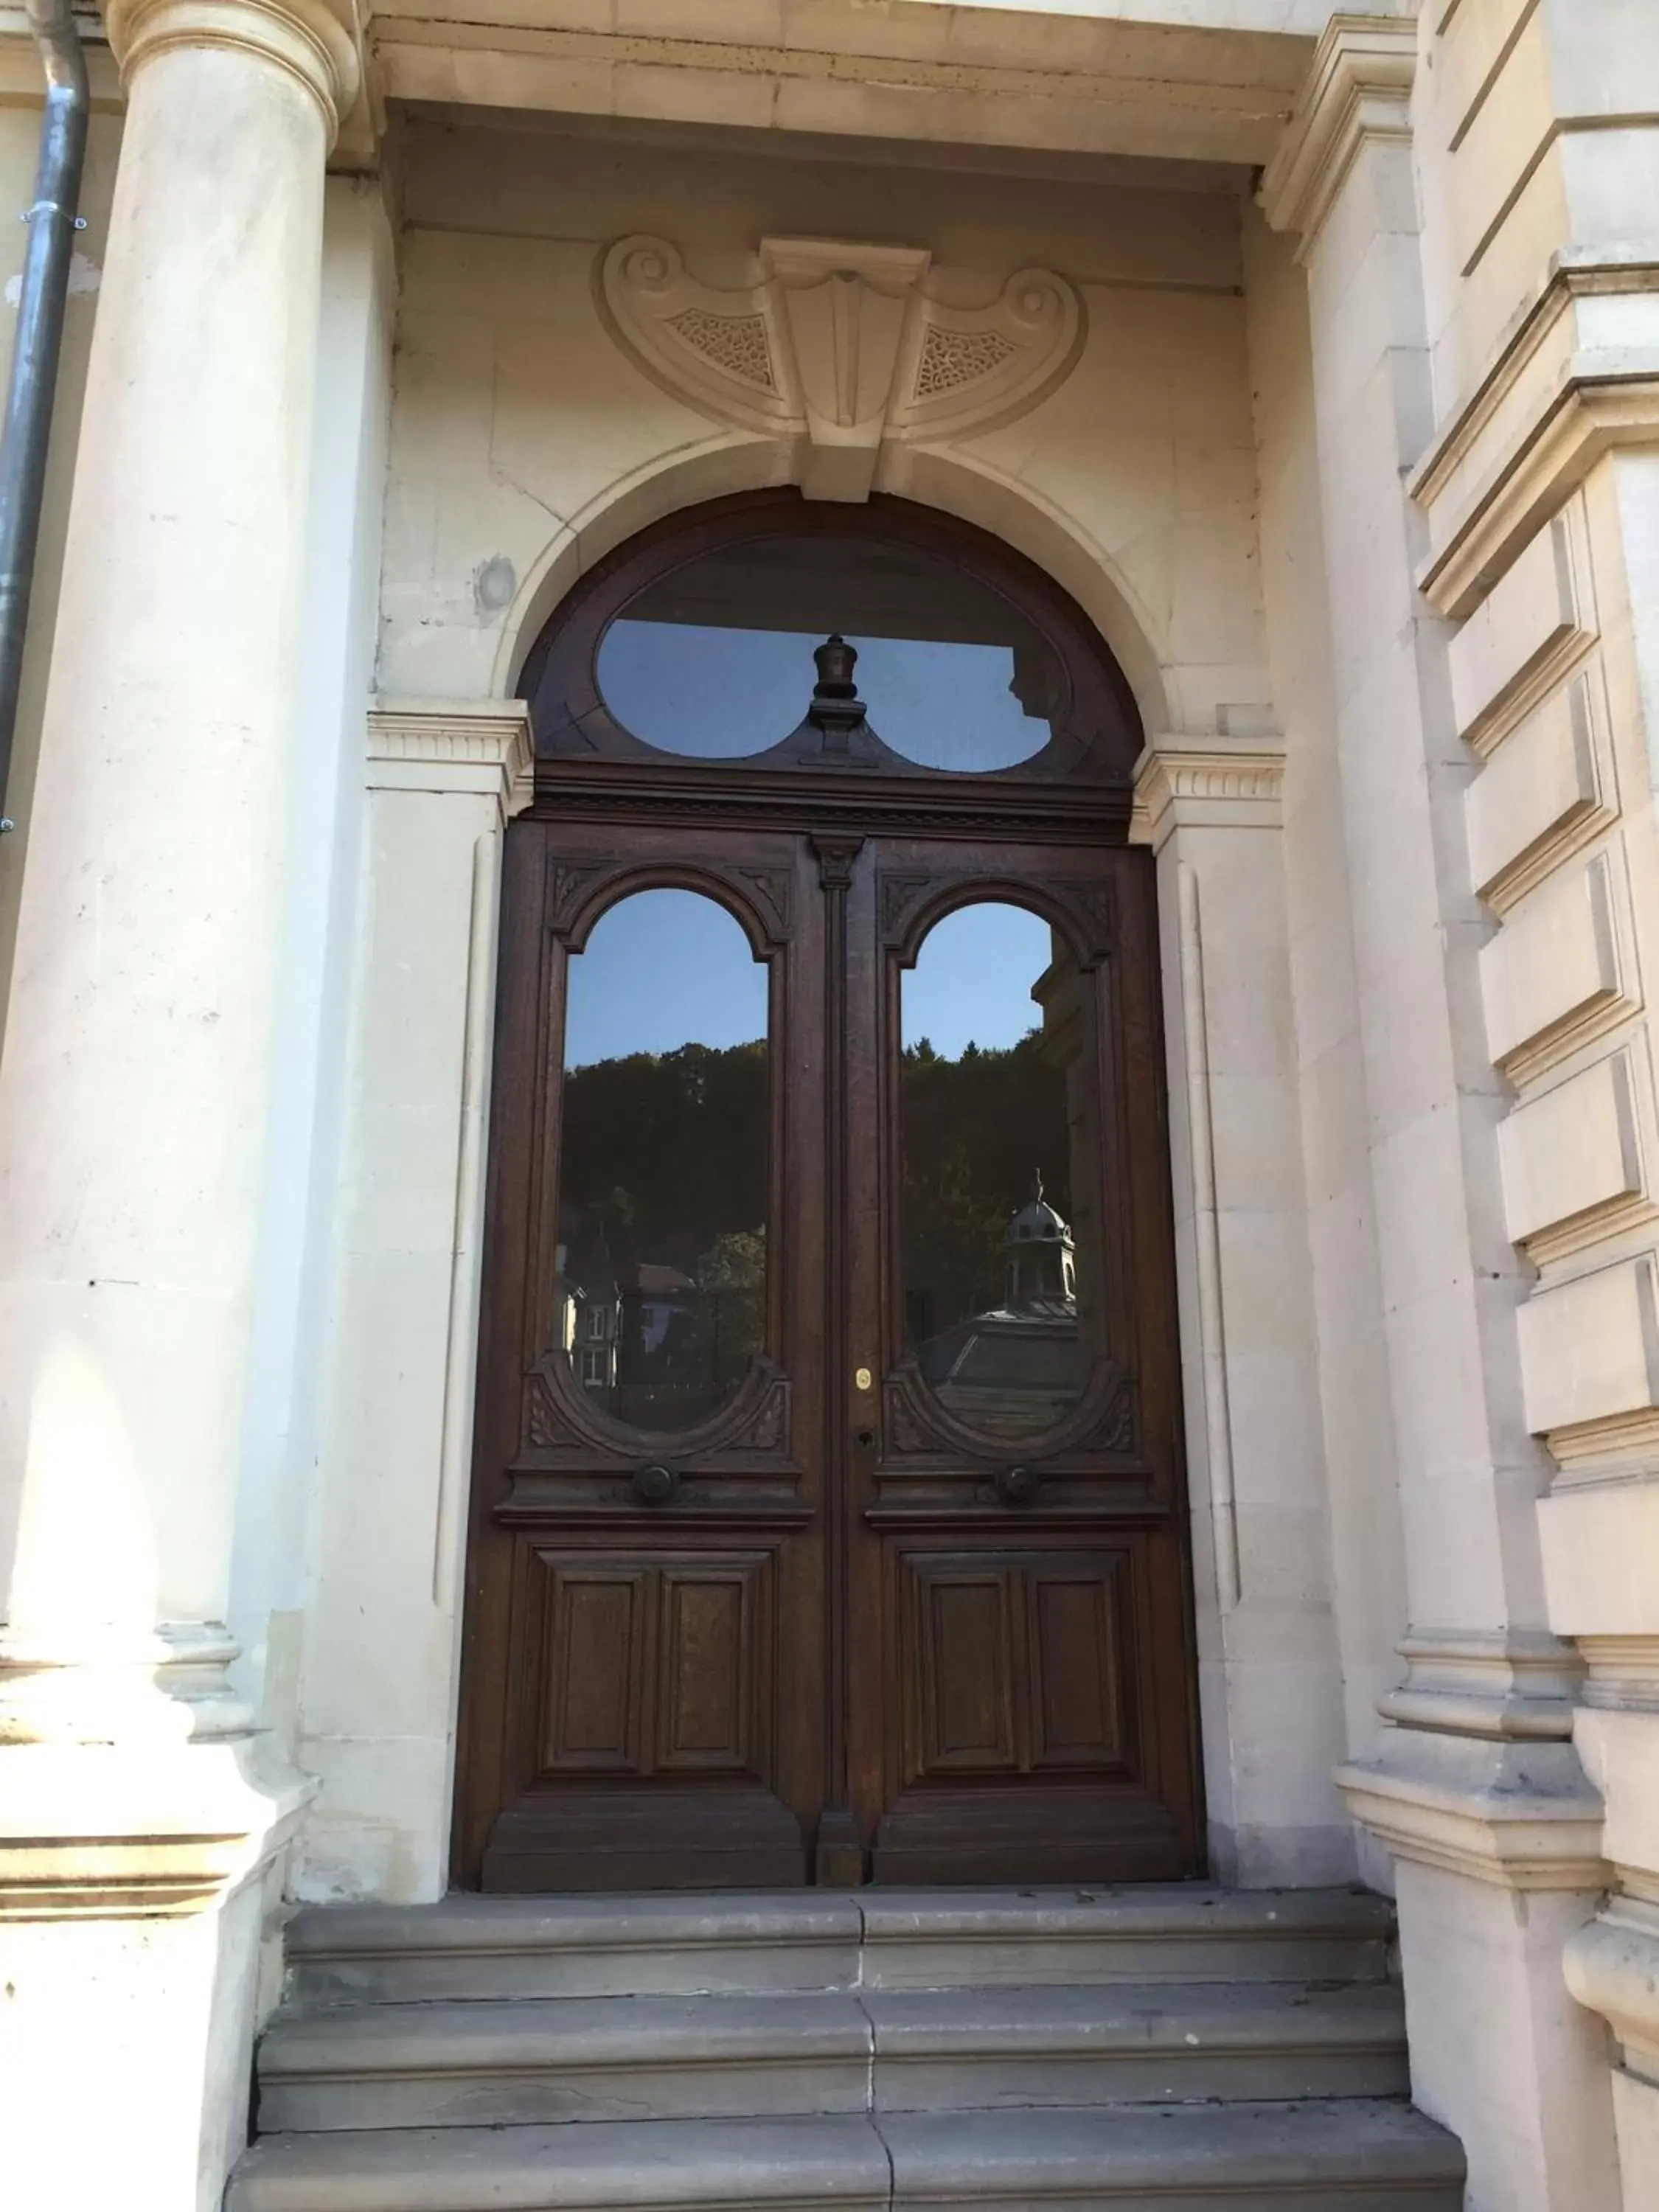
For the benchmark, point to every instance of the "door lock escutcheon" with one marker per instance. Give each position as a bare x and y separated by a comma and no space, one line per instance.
655,1486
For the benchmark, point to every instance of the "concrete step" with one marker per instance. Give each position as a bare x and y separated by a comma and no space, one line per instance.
595,2059
657,1945
957,2051
1348,2156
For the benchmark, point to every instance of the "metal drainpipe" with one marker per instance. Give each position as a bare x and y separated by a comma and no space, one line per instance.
52,224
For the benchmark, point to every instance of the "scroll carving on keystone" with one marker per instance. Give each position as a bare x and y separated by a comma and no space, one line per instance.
840,347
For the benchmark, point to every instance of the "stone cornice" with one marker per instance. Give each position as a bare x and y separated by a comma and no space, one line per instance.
1608,274
999,77
319,43
1206,783
1604,400
467,745
1357,90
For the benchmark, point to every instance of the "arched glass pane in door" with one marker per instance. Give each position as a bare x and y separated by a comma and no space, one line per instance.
999,1230
715,660
661,1254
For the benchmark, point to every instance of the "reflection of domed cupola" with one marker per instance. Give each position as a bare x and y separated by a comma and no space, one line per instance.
1041,1255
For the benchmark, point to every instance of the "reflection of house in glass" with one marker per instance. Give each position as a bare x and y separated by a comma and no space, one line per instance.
1018,1368
651,1345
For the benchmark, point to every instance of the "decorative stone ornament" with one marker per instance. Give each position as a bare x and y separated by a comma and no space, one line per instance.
840,347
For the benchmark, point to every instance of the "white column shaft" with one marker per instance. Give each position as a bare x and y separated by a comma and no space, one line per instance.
137,1049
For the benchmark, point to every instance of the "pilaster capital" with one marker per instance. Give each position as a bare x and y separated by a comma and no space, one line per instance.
1208,783
316,41
481,746
1357,90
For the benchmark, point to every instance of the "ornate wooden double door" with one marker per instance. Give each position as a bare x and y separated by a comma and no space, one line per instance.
828,1519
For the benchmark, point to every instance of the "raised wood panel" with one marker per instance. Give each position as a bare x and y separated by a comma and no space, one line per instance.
1015,1664
1077,1617
594,1669
655,1666
963,1641
709,1676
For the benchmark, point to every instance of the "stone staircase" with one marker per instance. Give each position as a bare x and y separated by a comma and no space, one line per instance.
1166,2049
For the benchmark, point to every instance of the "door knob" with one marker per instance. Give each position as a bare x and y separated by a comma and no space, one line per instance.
655,1486
1017,1485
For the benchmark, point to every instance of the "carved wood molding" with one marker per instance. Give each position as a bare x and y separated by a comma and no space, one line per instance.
841,347
760,899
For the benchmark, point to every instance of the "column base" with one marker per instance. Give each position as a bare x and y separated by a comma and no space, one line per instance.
1497,1846
110,1830
140,1946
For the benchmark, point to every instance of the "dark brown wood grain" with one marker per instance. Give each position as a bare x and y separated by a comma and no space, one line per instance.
843,1647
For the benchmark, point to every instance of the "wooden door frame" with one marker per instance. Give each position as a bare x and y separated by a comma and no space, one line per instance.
1078,793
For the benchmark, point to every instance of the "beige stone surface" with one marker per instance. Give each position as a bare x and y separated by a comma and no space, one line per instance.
1572,1151
19,131
1522,631
1545,790
1590,1349
1555,969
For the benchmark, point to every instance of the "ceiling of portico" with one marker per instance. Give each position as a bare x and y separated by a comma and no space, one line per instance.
1210,83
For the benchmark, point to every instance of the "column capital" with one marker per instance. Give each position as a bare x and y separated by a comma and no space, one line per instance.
481,746
314,41
1357,90
1212,782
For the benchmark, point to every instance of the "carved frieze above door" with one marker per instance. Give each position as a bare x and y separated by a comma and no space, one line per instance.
852,349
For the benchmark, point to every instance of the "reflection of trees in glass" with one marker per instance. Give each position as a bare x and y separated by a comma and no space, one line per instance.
975,1131
662,1215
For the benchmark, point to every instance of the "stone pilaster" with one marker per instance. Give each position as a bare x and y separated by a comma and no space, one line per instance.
383,1636
1474,1787
1268,1671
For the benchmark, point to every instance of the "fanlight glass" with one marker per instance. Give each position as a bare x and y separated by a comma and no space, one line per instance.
661,1257
1001,1227
715,661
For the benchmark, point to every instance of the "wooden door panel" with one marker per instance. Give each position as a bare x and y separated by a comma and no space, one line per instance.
593,1667
1014,1664
638,1600
1023,1709
656,1665
1081,1658
958,1689
713,1708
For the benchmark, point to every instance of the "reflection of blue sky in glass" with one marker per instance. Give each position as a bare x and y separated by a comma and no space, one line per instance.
714,693
972,981
661,970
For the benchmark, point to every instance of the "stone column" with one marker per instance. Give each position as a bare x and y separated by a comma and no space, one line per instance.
1270,1682
133,1116
1474,1786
